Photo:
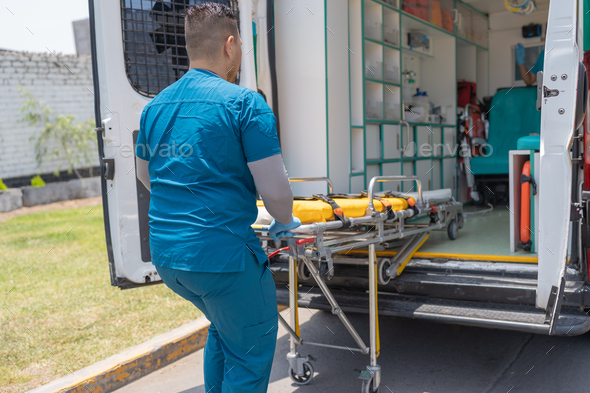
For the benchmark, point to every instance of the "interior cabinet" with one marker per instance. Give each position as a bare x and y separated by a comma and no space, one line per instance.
404,63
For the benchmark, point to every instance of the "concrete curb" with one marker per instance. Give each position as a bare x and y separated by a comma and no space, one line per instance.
126,367
61,191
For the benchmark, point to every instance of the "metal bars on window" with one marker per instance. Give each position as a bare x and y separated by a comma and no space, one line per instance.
154,43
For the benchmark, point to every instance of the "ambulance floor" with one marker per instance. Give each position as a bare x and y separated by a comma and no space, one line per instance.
487,234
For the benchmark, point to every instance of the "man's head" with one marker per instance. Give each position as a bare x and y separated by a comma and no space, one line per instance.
212,37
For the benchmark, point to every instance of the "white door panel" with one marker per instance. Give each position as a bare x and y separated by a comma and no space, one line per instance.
151,60
121,108
557,126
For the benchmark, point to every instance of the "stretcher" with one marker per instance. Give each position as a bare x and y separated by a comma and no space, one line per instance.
333,224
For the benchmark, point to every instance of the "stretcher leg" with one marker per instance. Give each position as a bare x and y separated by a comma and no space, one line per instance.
372,379
300,369
335,307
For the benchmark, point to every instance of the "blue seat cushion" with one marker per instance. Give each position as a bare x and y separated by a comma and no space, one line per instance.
513,115
531,142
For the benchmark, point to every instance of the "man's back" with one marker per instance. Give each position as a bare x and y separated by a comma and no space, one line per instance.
198,135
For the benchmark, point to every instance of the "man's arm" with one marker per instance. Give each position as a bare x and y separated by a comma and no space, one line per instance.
527,76
273,185
142,172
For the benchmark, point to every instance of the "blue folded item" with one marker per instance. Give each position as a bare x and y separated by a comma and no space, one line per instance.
531,142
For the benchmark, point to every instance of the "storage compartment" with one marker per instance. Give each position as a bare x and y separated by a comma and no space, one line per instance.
373,69
480,29
357,150
373,141
433,73
373,60
390,27
373,101
392,72
418,8
464,22
392,103
391,141
373,20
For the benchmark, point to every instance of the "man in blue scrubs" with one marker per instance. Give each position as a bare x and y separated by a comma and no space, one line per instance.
528,76
204,148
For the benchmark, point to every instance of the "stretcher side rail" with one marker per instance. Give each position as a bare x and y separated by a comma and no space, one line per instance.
381,179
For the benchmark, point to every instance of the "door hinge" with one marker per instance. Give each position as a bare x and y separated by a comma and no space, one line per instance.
577,211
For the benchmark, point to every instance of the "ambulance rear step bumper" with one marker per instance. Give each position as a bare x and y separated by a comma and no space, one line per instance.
510,284
522,318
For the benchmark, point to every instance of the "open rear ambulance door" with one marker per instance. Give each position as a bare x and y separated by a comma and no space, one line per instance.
559,97
118,107
138,49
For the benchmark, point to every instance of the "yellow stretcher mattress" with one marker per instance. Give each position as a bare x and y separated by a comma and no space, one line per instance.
317,211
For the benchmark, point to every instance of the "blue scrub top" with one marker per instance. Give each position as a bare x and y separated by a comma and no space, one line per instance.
198,135
539,63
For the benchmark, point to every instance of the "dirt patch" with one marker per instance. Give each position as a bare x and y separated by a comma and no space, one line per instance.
95,201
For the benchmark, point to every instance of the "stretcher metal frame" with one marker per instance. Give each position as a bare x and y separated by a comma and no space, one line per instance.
316,244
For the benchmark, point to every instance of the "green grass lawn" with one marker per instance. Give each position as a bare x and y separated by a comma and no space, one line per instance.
59,312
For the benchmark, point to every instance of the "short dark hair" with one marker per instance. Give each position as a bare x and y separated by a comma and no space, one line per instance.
207,26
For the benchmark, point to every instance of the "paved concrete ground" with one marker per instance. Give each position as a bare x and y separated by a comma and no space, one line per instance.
416,357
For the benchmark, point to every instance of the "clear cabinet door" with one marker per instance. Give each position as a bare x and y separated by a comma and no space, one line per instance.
391,141
424,172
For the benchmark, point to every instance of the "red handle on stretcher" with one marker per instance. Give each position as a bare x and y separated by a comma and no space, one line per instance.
272,254
300,241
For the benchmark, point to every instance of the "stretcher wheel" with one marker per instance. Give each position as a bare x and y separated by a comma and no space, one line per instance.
302,379
368,386
453,229
302,271
382,276
460,220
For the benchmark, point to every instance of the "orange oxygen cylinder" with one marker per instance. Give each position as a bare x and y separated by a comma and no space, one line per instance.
525,205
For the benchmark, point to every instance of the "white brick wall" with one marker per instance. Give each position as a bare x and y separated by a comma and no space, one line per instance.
48,79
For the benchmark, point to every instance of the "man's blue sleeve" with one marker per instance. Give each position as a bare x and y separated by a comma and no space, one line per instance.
141,146
258,128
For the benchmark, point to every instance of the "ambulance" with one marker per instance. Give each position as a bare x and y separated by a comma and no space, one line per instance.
428,89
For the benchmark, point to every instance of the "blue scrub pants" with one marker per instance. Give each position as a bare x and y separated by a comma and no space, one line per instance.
242,309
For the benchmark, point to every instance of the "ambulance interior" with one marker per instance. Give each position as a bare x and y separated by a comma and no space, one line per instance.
403,83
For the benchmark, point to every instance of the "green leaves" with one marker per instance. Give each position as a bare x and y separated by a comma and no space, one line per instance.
61,138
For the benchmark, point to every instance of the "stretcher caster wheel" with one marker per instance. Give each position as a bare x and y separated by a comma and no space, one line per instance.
302,379
382,276
302,271
453,229
368,386
460,220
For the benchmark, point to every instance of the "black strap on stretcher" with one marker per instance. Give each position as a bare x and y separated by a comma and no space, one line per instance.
338,213
408,198
386,204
